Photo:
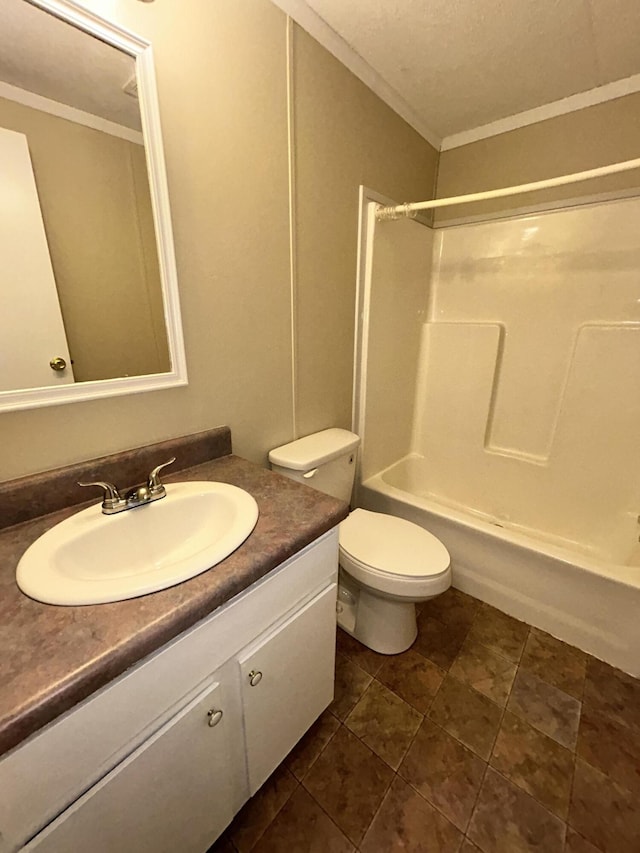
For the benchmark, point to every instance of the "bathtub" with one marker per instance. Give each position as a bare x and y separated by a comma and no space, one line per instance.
574,592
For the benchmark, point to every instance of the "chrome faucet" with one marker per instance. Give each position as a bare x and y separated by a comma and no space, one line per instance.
150,491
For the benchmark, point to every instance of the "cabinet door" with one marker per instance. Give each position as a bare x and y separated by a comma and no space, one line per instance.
287,681
173,793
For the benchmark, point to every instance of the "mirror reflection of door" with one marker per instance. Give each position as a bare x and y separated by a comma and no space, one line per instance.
32,333
74,97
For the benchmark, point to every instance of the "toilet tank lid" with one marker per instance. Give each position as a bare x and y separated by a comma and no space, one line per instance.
314,450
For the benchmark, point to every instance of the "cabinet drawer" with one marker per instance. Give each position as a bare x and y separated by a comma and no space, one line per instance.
173,793
287,680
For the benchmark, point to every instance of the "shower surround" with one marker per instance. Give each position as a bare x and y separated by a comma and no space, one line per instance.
500,408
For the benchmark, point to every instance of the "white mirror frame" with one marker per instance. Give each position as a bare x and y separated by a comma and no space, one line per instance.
140,49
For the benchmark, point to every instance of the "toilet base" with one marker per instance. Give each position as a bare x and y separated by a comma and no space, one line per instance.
384,625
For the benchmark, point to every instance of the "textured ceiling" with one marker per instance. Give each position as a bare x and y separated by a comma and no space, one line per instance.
461,64
42,54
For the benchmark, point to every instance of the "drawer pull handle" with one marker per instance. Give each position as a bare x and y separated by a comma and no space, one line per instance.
255,677
214,717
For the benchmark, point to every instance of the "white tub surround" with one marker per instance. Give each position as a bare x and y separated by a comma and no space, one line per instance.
498,384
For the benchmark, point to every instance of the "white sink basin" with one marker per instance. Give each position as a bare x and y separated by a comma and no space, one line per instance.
91,558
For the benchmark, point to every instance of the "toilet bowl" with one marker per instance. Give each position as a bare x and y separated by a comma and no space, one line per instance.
387,564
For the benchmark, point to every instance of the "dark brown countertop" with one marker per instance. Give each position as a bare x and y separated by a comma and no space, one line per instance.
53,657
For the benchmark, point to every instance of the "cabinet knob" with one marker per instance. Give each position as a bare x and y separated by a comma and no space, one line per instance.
255,677
214,717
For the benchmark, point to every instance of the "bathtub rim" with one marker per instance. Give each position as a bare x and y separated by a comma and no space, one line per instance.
580,605
624,573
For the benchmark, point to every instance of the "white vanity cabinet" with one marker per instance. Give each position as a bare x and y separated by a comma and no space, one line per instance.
286,677
172,793
162,758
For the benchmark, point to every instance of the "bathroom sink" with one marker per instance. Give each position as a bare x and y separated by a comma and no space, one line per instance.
91,558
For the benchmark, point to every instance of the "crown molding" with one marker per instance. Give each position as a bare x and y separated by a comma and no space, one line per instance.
599,95
312,23
55,108
318,28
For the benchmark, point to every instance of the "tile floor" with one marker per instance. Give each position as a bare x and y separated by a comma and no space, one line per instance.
486,735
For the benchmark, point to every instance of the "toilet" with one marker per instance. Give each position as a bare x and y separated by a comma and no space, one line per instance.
387,564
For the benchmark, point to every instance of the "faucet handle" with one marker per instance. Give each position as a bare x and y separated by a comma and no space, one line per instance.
153,483
111,495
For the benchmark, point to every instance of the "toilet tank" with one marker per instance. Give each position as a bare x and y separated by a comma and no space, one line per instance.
324,460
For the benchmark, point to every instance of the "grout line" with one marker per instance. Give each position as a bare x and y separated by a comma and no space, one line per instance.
342,724
467,749
319,804
513,782
382,799
573,781
362,695
503,711
308,770
434,806
491,650
529,794
366,745
493,746
449,734
475,802
584,684
394,772
277,812
384,686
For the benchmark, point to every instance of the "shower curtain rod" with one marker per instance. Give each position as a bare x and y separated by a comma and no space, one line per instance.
409,209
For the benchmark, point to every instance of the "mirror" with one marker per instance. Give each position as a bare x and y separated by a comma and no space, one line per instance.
88,296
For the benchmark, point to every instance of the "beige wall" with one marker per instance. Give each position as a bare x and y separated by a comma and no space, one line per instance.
595,136
221,70
345,136
94,196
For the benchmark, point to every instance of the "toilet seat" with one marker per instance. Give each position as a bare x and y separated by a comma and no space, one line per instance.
392,555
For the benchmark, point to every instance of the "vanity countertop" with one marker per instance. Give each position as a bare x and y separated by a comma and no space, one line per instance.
53,657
